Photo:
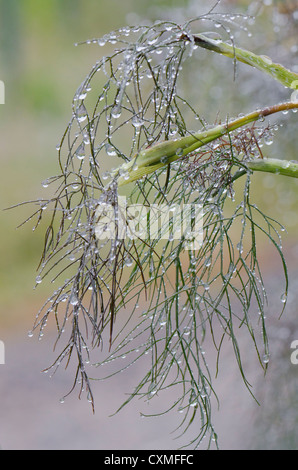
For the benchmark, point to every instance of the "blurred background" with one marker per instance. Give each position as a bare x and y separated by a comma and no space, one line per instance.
41,69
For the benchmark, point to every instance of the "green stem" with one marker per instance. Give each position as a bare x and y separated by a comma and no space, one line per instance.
269,165
261,62
272,165
160,155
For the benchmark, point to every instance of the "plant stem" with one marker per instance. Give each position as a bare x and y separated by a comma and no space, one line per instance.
272,165
164,153
261,62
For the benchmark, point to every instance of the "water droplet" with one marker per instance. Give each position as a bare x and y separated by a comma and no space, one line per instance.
137,122
284,298
266,358
38,279
110,150
82,95
63,298
102,41
116,112
240,247
112,38
268,140
80,152
81,113
105,175
45,183
208,262
128,261
266,59
30,334
73,299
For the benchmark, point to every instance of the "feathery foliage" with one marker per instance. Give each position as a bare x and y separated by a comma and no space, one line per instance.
125,295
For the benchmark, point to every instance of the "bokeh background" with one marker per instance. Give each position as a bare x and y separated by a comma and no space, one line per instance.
41,69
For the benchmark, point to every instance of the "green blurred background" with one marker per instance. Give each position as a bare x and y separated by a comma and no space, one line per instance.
41,70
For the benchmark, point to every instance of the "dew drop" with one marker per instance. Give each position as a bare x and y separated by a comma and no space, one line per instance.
268,140
110,150
73,299
80,152
101,42
266,59
105,175
284,298
208,262
82,95
75,186
81,113
128,261
137,122
116,112
266,358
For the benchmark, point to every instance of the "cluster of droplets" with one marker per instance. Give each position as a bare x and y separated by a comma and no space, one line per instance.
151,54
